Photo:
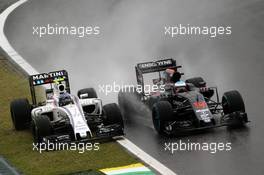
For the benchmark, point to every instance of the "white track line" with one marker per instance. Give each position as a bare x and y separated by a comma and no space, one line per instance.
15,57
10,51
12,169
155,164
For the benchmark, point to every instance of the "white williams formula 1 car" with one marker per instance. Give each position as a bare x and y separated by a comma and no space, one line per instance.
58,116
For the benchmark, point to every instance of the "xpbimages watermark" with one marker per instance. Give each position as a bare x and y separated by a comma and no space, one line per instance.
80,147
115,88
212,147
77,31
210,31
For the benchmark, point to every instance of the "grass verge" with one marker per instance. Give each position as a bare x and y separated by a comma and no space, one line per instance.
17,146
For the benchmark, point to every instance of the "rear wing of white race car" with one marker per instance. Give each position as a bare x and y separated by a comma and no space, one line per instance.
47,78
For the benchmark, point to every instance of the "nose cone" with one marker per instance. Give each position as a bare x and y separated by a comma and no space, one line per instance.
83,135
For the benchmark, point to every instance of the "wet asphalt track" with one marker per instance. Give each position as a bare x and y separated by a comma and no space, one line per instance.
132,31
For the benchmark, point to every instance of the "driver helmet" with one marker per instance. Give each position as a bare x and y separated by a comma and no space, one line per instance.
172,75
180,84
65,99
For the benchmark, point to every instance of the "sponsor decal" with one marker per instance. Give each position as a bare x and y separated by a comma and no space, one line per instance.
160,63
202,110
199,104
204,114
46,78
49,75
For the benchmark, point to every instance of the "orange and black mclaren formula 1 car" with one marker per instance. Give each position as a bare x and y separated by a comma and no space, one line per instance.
182,106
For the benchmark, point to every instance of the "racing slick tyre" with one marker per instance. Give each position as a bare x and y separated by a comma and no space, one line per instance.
161,113
196,81
233,103
112,115
152,101
90,91
41,127
20,113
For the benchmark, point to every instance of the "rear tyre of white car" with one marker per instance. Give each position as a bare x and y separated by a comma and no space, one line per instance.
20,110
91,93
41,127
113,115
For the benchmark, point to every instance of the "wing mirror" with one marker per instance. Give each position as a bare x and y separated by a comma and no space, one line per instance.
202,84
83,96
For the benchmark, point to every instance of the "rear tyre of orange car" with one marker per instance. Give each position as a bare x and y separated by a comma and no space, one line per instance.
161,114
